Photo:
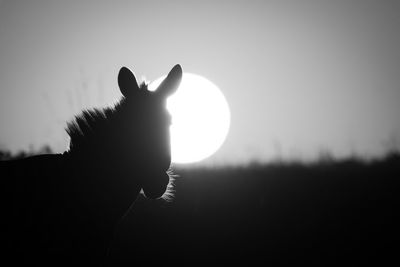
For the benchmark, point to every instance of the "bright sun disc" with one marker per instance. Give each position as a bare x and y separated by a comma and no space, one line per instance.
200,118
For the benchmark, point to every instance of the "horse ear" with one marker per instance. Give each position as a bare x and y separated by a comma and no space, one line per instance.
171,82
127,82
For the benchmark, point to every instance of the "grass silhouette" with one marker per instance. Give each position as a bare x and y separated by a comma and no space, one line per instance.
327,212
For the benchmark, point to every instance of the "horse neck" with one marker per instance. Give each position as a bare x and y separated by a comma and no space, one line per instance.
84,183
102,183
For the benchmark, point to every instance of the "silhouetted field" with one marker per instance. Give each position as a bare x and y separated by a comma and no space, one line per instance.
327,212
331,212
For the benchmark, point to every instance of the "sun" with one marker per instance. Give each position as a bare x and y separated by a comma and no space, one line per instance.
200,118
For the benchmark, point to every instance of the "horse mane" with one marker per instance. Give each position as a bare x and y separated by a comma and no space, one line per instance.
84,126
93,124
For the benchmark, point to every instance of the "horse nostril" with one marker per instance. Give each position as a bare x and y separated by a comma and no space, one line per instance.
165,164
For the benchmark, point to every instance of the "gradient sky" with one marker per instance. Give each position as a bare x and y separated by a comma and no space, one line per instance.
300,77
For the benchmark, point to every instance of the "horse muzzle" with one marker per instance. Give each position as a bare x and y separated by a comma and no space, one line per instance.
155,187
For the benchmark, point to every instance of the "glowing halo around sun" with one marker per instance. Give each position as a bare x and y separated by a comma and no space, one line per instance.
200,118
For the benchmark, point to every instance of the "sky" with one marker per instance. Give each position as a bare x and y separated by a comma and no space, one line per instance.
302,78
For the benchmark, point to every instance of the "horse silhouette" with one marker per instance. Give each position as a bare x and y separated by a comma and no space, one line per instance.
62,208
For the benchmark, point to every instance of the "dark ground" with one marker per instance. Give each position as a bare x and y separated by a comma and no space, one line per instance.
326,213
